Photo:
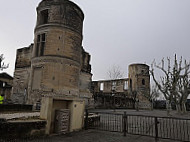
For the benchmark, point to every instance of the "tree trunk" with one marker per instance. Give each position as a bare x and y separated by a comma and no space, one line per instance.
183,108
178,108
152,106
168,107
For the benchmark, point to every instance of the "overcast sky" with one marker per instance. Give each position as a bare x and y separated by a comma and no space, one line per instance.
117,32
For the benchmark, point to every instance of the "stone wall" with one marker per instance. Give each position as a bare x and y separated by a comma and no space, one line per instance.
110,86
23,57
15,107
85,79
10,131
20,85
22,75
85,86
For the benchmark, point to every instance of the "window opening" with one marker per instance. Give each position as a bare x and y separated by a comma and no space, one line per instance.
125,85
101,86
44,17
41,39
143,82
114,85
142,71
131,84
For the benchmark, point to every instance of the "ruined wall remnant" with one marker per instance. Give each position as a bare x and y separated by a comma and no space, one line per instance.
23,57
112,93
85,79
22,75
124,92
57,65
107,86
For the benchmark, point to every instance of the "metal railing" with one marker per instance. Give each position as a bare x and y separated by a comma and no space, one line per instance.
157,127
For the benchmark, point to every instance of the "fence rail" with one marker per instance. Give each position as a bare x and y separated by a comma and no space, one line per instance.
158,127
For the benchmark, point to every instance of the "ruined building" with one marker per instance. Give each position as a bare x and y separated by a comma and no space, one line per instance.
56,64
127,93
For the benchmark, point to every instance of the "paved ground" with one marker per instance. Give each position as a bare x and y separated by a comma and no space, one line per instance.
96,136
92,136
158,113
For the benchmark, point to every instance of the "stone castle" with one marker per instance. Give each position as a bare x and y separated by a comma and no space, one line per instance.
56,64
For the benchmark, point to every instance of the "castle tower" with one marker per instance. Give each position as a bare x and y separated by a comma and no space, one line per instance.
139,83
56,56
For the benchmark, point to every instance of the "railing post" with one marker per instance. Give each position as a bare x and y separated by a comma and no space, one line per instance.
156,128
86,120
124,123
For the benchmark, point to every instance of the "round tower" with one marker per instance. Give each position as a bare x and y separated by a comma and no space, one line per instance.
139,77
139,83
56,56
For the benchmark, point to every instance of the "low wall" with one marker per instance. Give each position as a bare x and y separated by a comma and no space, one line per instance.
21,129
15,107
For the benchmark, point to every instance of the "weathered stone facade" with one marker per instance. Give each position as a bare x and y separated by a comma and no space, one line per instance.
112,94
139,84
56,65
22,74
124,92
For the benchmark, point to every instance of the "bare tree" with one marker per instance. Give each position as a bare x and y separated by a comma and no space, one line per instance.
183,89
115,72
154,94
174,84
2,64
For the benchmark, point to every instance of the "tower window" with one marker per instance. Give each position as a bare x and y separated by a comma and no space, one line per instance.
131,84
114,85
41,39
44,17
142,71
143,82
101,86
125,87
